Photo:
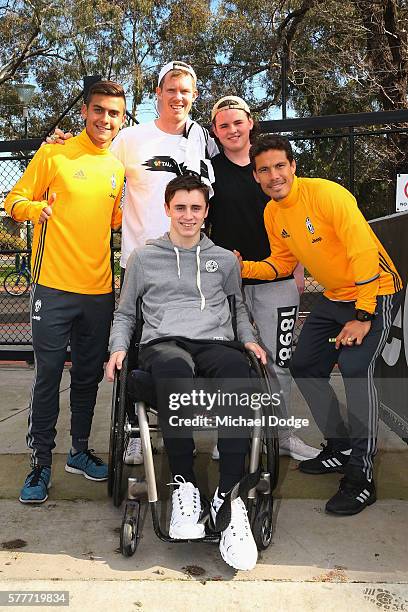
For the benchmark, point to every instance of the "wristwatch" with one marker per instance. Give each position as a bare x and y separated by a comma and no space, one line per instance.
363,315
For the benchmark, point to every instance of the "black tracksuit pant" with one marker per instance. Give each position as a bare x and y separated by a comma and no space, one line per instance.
313,361
58,319
171,361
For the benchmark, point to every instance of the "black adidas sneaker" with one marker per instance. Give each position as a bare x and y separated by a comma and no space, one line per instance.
327,461
354,494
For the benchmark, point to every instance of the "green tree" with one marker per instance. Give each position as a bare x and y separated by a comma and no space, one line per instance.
340,57
63,41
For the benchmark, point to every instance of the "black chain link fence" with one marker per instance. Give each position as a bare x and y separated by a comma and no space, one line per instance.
15,251
333,156
15,248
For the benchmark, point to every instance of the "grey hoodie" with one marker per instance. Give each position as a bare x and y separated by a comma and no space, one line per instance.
184,294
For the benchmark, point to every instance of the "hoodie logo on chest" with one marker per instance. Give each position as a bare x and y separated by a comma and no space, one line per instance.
211,265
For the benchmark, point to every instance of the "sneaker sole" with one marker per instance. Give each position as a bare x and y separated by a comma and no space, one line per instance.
231,563
33,501
175,536
324,470
73,470
369,502
133,462
296,456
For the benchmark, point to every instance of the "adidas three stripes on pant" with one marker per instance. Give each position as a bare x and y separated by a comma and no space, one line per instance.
58,319
314,360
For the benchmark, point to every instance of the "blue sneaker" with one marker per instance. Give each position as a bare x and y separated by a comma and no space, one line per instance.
36,485
88,464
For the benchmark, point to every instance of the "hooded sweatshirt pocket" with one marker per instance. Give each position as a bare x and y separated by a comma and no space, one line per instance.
193,322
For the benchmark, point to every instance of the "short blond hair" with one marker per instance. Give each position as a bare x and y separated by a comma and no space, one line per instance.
177,73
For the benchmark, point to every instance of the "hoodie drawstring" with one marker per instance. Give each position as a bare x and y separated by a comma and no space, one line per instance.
199,278
198,273
178,261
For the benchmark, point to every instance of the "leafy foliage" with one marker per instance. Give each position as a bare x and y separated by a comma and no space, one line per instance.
341,57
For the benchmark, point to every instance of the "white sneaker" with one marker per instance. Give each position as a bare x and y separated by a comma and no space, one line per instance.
215,453
134,452
237,544
185,512
296,448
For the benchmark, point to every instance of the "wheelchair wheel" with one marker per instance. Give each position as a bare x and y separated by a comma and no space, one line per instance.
262,522
262,526
112,434
271,445
119,443
271,439
129,531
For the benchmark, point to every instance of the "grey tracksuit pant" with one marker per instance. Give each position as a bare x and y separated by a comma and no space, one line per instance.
274,308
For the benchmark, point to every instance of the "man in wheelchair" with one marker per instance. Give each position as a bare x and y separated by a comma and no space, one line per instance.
184,280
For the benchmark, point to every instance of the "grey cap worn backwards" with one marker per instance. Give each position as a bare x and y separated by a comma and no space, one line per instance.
229,102
176,66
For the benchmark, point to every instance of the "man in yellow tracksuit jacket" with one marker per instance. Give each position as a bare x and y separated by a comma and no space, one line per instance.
317,222
72,196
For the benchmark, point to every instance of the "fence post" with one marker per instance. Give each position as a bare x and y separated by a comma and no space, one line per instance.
351,159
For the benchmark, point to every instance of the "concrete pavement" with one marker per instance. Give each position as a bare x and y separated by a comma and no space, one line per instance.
316,561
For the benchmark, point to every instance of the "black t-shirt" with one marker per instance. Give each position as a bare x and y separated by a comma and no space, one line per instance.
235,218
236,210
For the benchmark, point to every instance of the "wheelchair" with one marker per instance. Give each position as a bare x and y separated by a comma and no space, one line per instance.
133,389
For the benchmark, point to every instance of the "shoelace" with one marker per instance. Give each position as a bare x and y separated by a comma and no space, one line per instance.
328,451
187,502
325,448
134,446
91,456
178,480
37,475
239,519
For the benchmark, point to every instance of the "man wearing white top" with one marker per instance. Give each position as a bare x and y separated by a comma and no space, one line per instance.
154,153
